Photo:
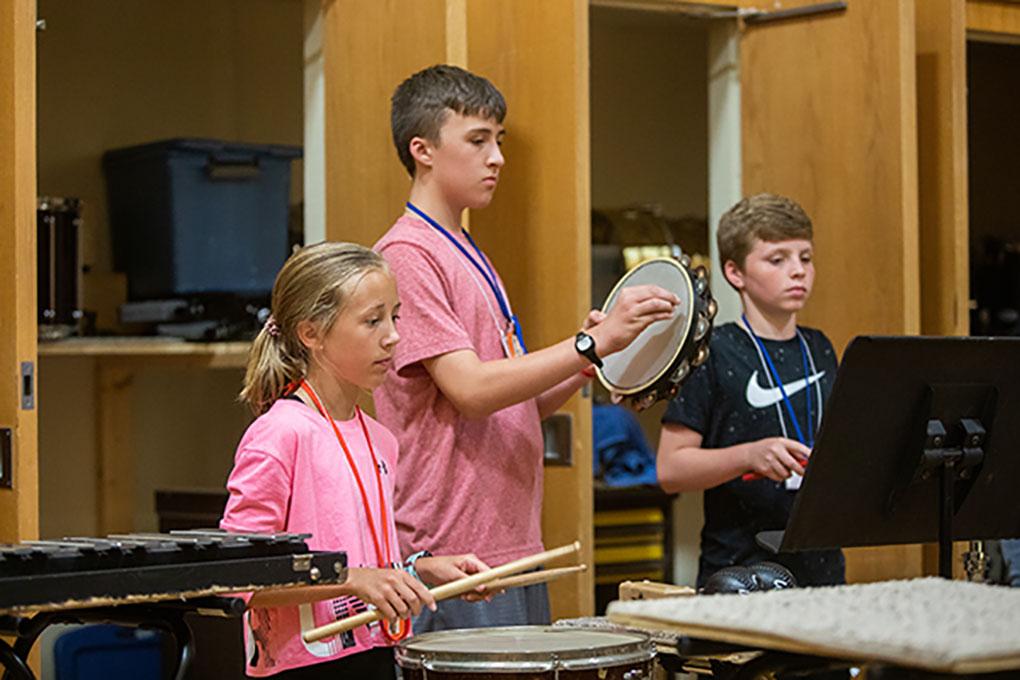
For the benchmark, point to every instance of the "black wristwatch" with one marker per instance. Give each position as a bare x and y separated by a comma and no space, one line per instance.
585,346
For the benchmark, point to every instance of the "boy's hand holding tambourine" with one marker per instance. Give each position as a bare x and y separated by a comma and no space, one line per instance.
635,309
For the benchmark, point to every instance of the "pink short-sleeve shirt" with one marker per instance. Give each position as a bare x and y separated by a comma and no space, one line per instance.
290,475
462,485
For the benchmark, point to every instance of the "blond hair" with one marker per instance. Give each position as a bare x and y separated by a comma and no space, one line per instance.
313,285
768,217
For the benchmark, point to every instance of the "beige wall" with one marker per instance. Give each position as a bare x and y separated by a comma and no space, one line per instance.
184,428
116,73
649,111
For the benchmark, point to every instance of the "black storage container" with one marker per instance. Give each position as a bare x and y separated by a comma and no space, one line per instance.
197,216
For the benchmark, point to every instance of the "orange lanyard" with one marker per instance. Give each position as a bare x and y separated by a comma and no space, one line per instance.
383,558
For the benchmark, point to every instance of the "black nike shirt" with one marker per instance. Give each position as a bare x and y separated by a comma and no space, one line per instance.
731,399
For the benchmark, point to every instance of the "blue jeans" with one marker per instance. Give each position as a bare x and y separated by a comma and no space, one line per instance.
516,607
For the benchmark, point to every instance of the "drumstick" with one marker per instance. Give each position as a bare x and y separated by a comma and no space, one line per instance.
534,577
447,590
753,476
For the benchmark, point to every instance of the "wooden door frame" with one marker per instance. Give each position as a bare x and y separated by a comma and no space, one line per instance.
19,505
993,20
942,166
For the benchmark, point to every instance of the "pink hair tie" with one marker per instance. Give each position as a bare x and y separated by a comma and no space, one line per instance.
272,327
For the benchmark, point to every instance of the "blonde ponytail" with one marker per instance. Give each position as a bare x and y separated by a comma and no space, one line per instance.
270,370
313,286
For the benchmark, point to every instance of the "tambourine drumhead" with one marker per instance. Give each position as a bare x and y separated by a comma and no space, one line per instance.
654,351
517,647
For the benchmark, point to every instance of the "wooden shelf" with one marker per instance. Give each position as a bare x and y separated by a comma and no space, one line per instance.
210,354
116,361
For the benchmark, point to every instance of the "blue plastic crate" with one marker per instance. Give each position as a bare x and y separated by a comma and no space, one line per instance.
199,216
102,652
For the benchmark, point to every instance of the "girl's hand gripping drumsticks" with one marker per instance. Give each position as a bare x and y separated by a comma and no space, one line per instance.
448,590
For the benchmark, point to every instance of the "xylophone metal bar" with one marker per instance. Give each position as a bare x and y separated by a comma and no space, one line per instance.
145,580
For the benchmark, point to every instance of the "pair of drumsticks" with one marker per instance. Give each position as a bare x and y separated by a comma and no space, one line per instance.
498,578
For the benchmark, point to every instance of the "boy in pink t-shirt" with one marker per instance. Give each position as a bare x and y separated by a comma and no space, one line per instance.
464,397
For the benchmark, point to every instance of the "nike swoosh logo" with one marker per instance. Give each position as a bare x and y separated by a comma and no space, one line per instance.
760,397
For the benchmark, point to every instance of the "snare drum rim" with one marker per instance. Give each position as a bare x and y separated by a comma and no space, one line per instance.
690,319
639,650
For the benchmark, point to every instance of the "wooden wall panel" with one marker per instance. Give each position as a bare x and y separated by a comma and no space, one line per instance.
369,48
537,229
19,506
942,166
829,118
995,18
538,226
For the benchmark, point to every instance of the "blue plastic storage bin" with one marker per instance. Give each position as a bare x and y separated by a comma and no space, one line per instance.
102,652
199,216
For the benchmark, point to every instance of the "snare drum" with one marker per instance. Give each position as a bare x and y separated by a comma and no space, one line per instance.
655,364
528,653
59,266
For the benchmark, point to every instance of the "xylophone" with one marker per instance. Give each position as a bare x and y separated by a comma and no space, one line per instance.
147,580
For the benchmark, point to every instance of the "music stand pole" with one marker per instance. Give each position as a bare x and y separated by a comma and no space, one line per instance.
947,479
951,464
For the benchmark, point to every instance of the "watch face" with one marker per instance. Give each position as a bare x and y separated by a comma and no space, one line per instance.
584,343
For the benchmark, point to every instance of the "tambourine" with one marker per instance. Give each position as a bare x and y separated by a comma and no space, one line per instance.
662,356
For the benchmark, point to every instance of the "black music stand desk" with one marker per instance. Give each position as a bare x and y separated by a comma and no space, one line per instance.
920,442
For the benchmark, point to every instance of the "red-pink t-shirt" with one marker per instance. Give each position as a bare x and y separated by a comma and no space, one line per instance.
290,475
462,485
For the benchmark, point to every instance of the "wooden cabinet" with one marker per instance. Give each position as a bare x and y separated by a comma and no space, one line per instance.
194,69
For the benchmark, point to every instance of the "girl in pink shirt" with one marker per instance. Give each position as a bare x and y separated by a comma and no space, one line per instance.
312,462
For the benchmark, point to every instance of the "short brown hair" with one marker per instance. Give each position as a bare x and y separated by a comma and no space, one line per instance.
420,104
768,217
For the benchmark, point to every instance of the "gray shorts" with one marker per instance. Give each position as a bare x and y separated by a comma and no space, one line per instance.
516,607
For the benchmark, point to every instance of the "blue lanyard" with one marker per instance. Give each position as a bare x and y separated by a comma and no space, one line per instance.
810,442
484,269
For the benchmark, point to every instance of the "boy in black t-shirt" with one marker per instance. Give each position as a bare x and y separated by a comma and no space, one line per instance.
743,425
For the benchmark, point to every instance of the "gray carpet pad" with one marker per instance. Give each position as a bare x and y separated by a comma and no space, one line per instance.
931,623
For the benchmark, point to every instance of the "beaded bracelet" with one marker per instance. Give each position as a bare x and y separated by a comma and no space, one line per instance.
409,563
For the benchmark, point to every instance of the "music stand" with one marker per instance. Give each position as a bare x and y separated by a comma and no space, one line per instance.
920,442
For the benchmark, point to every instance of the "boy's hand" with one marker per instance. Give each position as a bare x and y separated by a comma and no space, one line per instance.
594,318
777,458
440,569
636,307
395,593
